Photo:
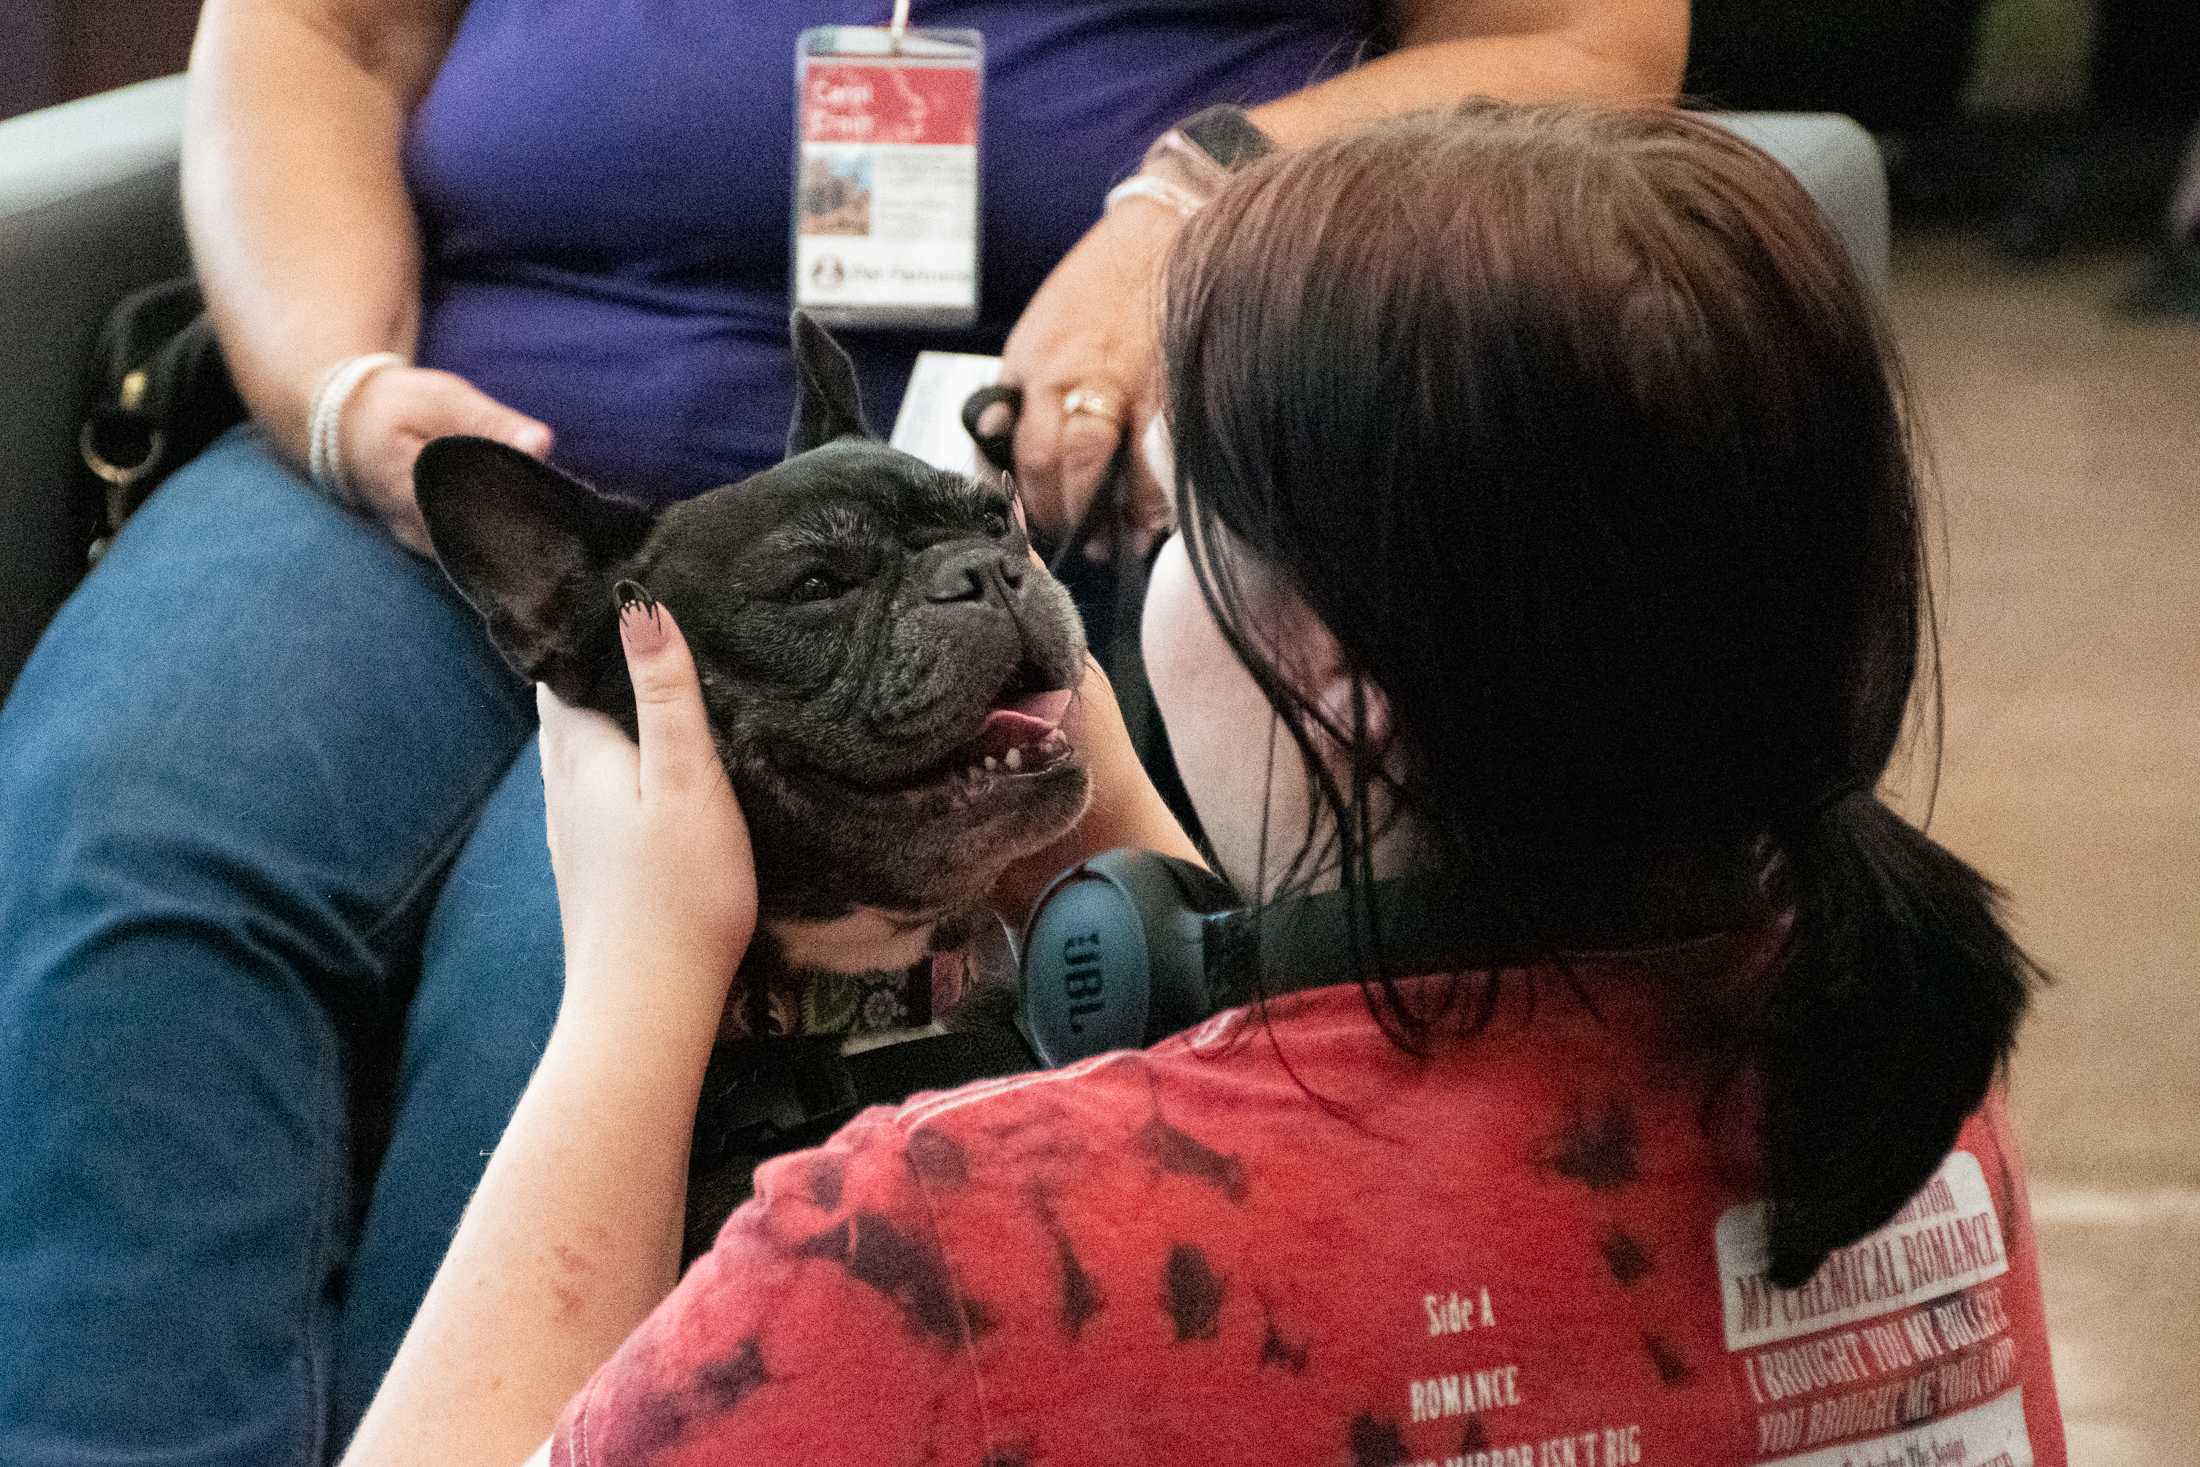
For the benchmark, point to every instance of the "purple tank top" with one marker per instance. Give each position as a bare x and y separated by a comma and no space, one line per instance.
604,188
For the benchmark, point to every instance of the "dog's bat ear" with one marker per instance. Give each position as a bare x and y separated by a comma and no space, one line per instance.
533,549
826,403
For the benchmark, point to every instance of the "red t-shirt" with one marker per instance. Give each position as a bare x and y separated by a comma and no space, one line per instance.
1533,1246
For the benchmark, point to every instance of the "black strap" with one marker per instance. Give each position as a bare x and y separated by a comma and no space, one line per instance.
891,1073
771,1096
1125,658
1225,134
763,1098
999,448
1422,923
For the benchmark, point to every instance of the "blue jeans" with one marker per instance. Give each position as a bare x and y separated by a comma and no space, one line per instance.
271,861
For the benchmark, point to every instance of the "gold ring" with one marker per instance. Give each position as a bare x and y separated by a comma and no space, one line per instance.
1091,400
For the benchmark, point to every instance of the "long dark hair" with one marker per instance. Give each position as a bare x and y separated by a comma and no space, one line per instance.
1576,429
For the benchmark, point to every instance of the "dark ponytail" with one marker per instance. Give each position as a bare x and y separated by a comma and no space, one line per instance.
1896,1003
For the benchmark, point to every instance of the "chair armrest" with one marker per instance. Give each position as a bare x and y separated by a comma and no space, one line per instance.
88,212
1840,163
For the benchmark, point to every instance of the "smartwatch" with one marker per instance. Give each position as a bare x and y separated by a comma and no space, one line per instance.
1226,135
1189,164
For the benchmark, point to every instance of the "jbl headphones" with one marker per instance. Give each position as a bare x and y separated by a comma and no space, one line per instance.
1130,947
1124,950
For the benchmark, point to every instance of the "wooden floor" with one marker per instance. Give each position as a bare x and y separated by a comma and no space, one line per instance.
2068,447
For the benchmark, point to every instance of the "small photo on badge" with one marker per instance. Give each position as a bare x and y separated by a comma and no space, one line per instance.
835,196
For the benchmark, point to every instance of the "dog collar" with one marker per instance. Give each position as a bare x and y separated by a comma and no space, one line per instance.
800,1002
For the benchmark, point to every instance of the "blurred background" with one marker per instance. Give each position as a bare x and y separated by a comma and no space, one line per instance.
58,50
2050,310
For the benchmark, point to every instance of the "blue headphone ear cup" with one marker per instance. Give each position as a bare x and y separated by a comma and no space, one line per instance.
1113,956
1084,970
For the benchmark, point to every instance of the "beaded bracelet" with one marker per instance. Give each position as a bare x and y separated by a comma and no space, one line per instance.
1160,190
324,449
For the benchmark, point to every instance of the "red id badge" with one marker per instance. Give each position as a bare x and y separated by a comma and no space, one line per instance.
886,175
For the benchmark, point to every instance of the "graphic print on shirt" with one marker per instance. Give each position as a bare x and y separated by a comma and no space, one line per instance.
1453,1412
1480,1395
1899,1352
1598,1149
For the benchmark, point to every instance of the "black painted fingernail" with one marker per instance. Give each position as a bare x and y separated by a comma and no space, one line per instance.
634,600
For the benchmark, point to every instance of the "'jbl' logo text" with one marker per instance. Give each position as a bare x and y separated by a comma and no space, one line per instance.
1082,980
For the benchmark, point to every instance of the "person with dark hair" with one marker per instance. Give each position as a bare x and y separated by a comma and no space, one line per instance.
1551,537
278,938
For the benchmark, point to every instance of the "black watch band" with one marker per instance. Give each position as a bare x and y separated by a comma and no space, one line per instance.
1227,135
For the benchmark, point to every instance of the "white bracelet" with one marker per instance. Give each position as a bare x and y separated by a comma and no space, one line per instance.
324,448
1178,151
1160,190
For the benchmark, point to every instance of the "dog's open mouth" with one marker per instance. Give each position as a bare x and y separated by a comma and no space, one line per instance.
1019,739
1022,739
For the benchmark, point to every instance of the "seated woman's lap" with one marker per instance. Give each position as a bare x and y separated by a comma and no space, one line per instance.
232,778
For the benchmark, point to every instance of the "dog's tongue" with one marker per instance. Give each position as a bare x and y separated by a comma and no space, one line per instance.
1026,721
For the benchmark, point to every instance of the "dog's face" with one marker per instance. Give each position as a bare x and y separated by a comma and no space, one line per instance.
884,666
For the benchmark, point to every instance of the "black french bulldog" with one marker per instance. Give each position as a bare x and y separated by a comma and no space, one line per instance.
884,665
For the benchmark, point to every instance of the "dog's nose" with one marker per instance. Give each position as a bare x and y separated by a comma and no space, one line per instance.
963,577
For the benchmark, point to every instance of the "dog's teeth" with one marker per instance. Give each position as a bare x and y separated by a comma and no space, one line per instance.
1014,758
991,763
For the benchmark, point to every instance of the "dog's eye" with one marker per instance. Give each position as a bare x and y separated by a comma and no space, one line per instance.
996,523
815,586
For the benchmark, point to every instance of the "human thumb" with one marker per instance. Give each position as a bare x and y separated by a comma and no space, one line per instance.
677,750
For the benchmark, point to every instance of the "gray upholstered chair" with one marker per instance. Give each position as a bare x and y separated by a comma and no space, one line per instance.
88,212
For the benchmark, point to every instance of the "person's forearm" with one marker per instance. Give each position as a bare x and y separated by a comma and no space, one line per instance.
1618,50
569,1242
294,200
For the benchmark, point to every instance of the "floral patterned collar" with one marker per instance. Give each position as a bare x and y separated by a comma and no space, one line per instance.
784,1001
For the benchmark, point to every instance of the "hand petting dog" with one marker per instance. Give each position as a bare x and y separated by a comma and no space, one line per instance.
656,878
574,1234
904,699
